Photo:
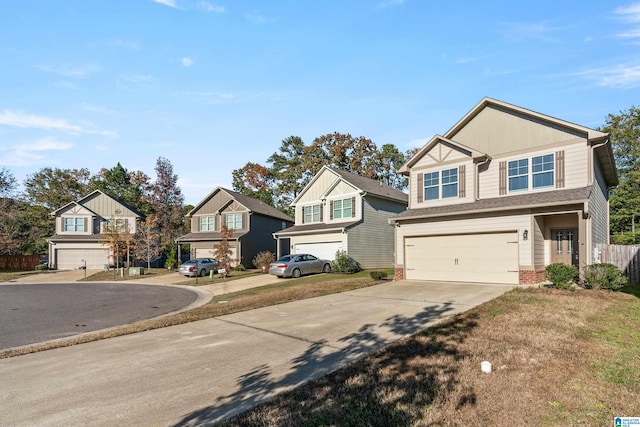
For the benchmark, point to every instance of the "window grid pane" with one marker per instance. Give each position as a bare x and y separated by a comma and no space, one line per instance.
431,186
519,175
337,209
450,183
542,171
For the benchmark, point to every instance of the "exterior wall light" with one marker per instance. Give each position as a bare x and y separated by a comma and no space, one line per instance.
525,234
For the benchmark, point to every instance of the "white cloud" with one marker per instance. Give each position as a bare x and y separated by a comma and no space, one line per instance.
256,18
629,13
75,72
187,62
136,78
518,31
208,7
617,77
32,153
45,144
127,44
20,120
170,3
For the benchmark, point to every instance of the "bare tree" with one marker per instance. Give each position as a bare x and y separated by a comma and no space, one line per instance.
222,251
147,240
116,235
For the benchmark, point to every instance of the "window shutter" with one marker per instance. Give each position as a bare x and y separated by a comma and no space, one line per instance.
560,169
126,225
86,225
420,187
353,207
303,215
503,178
462,181
321,211
331,210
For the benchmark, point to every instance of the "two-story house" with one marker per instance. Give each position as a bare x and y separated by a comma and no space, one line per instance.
504,193
80,225
341,211
251,220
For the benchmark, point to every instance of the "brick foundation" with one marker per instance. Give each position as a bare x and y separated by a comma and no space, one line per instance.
531,277
399,273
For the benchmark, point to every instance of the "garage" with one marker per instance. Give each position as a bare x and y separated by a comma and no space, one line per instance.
72,259
484,258
209,253
323,250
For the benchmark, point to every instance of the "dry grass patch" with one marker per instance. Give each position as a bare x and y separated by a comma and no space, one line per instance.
559,358
6,276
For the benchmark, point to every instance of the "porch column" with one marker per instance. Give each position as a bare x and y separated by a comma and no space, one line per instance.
583,249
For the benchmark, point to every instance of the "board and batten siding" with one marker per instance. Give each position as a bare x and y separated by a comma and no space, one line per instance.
259,238
315,190
575,162
416,185
439,155
371,242
599,209
496,131
485,224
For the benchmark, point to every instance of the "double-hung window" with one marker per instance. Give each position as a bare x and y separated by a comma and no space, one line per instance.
116,225
539,175
74,224
441,184
342,208
207,223
234,221
311,214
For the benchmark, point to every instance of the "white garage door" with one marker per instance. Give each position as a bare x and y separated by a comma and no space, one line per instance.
485,258
324,250
71,259
208,253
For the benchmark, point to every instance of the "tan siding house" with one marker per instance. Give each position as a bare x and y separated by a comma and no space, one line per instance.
252,221
505,192
340,211
80,228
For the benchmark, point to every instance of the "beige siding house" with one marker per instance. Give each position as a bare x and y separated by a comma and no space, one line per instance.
504,193
341,211
252,221
79,229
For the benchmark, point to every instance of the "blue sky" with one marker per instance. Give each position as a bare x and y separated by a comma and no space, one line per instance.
211,85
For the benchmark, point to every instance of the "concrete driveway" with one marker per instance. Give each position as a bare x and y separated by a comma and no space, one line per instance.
200,372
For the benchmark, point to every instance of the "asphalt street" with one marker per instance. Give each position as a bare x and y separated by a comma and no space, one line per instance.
41,312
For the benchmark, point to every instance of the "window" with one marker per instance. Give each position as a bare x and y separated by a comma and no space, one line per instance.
434,181
558,242
311,214
343,208
234,221
207,223
519,175
117,225
542,171
74,224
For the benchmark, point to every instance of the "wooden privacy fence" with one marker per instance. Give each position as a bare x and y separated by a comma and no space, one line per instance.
19,262
625,257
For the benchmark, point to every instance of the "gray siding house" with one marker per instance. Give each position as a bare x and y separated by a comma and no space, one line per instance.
252,221
341,211
502,194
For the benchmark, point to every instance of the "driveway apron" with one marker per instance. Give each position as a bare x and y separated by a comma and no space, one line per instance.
205,371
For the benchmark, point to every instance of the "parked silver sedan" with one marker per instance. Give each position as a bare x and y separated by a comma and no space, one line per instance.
298,264
198,267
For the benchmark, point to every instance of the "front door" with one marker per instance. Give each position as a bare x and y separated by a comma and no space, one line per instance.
564,246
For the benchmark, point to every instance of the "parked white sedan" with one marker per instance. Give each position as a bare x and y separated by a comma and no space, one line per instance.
298,264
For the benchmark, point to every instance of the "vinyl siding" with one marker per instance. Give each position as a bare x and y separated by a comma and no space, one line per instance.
415,185
106,206
316,189
480,224
213,205
371,242
259,238
496,131
539,243
576,161
599,209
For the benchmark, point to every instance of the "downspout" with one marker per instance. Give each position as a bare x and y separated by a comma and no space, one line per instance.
592,161
476,187
587,216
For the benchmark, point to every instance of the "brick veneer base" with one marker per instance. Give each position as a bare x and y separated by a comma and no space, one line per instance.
399,273
531,277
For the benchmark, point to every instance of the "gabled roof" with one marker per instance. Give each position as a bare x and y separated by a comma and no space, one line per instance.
367,185
82,201
252,204
474,154
485,102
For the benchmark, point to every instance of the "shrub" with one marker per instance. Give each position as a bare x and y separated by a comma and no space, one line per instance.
263,259
344,263
378,275
239,267
561,275
41,267
603,276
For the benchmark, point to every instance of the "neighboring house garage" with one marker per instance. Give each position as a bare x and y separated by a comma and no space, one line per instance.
324,250
72,259
483,257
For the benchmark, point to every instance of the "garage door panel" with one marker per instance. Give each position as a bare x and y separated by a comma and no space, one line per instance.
489,258
323,250
72,259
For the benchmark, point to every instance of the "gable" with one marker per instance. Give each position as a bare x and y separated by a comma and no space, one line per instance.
496,129
106,206
75,210
318,187
340,189
214,204
441,152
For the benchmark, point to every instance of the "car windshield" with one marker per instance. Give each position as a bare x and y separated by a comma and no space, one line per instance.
285,258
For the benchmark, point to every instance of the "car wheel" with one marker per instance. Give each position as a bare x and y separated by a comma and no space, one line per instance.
203,272
326,268
296,273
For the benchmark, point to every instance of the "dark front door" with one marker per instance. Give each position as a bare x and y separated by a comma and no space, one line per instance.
564,246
